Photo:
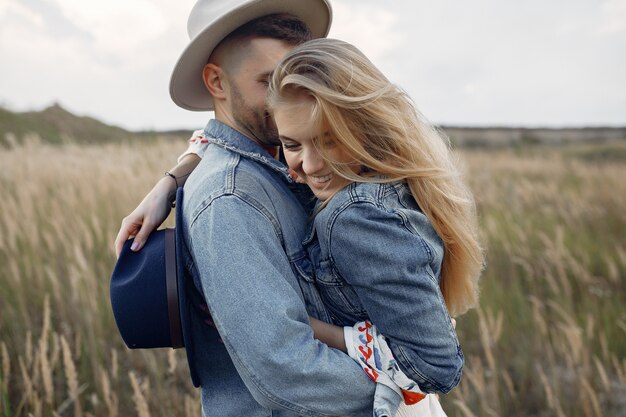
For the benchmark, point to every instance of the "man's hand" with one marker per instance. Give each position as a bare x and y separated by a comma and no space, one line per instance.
147,217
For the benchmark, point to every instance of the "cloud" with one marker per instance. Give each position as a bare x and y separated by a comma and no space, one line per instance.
111,61
118,26
493,62
480,62
369,27
613,17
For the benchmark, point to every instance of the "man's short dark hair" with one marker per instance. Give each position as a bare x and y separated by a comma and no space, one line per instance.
284,27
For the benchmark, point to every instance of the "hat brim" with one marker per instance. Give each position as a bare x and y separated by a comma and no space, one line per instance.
183,299
186,86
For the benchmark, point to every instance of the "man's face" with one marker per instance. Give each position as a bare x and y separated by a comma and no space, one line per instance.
248,89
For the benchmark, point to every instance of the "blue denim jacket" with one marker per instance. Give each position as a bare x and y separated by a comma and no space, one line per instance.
243,229
377,257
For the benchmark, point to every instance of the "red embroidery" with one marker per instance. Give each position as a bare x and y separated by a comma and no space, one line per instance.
368,337
365,353
411,398
372,374
367,326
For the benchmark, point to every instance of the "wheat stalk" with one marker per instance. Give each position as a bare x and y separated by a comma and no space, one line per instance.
46,370
36,406
72,376
114,364
141,405
589,401
552,400
110,399
171,360
464,409
6,368
27,385
191,406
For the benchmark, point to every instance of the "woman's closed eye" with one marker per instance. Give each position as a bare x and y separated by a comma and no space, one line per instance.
265,79
291,146
325,140
328,142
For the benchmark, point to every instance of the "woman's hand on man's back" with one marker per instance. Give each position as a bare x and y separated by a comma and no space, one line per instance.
147,217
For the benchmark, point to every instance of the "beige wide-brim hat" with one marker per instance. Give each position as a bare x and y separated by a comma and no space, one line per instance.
211,21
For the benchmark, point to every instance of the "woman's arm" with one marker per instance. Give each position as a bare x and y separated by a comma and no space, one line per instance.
329,334
156,205
389,267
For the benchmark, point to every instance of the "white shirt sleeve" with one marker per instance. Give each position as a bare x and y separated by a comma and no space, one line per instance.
371,350
198,144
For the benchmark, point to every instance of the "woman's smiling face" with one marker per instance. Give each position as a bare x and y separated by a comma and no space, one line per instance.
297,134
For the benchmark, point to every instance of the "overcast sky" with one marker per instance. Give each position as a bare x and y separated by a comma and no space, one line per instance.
477,62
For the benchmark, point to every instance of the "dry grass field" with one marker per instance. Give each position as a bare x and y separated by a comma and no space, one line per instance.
548,340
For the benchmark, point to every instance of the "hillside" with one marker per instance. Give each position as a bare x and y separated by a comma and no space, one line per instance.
57,125
470,137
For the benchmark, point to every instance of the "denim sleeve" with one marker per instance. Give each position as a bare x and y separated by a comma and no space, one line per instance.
387,265
256,305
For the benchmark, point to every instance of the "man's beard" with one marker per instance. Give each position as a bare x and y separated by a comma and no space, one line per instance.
260,126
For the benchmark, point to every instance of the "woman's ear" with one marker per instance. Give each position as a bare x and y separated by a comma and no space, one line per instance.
213,78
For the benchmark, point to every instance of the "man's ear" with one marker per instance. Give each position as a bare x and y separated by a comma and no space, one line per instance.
214,80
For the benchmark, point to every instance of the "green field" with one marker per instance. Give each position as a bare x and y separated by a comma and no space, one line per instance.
548,340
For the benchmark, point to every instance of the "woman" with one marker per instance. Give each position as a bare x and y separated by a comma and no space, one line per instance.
394,238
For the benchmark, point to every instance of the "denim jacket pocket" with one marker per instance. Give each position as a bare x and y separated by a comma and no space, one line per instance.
339,298
305,273
302,266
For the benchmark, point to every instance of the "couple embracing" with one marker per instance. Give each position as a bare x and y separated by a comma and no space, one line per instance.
327,235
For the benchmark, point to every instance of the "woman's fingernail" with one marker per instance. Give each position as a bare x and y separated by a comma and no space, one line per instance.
135,246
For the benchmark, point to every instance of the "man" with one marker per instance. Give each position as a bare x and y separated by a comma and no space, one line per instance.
243,229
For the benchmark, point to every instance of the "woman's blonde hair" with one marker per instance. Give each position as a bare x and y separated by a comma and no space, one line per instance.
377,124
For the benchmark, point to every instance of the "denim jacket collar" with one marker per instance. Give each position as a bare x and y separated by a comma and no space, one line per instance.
228,138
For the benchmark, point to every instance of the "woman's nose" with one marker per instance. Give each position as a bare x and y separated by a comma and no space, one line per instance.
312,161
